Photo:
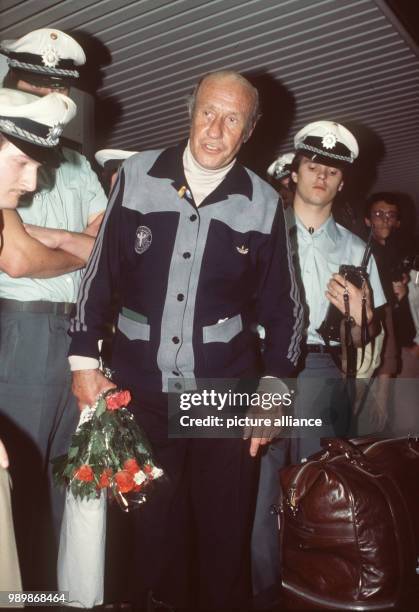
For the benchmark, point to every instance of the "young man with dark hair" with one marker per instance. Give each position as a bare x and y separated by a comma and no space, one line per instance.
325,152
400,353
382,217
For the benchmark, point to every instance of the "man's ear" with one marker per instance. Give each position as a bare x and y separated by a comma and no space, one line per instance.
249,133
340,186
294,177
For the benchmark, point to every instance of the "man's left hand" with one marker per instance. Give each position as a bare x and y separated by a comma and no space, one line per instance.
335,291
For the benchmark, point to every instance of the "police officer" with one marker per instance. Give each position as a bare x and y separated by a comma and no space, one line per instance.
324,154
46,243
111,160
29,133
280,173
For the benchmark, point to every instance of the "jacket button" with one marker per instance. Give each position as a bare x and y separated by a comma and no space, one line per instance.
186,255
193,217
175,340
180,297
178,386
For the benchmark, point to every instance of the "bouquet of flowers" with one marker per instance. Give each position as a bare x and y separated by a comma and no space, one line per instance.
108,451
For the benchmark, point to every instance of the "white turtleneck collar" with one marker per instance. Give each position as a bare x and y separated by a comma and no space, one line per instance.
202,181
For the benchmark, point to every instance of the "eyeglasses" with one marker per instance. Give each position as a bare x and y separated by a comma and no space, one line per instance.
389,215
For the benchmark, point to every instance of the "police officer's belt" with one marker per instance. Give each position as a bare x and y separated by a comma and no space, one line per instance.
322,348
57,308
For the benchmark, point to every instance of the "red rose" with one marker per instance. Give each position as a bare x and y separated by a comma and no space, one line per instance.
105,478
147,469
84,473
125,481
118,400
131,466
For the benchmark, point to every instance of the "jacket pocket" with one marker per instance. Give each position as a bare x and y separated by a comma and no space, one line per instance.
224,331
133,330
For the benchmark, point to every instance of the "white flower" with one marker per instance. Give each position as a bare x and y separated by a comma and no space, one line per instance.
329,140
86,414
50,57
156,472
139,477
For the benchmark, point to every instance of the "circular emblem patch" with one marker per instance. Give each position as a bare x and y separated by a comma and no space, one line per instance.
329,140
143,238
50,57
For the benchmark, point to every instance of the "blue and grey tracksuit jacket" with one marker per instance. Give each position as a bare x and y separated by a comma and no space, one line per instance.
191,281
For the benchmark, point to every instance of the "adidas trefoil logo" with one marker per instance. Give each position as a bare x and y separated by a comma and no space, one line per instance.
242,250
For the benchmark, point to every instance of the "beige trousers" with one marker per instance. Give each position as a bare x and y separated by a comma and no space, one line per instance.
9,563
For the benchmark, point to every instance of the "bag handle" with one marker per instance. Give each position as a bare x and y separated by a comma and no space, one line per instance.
333,448
342,446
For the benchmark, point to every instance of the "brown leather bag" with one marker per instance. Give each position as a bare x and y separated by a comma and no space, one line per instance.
350,527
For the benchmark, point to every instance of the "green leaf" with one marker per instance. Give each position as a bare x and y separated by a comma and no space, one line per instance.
73,452
101,408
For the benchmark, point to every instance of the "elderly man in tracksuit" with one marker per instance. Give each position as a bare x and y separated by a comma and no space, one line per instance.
196,247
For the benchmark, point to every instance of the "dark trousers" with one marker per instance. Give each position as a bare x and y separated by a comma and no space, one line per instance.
322,393
192,536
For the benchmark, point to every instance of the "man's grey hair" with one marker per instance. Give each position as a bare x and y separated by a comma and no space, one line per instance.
255,113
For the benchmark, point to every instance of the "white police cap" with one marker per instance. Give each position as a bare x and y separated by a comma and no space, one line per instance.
34,120
106,156
281,167
327,140
47,52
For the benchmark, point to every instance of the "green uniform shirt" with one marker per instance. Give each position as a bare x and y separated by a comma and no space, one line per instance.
66,198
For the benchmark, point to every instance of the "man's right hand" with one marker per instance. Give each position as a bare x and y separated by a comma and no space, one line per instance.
88,384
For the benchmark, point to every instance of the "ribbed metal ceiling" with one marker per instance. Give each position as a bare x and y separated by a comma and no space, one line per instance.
346,60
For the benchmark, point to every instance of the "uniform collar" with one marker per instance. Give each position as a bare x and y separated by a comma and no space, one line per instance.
328,229
169,165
